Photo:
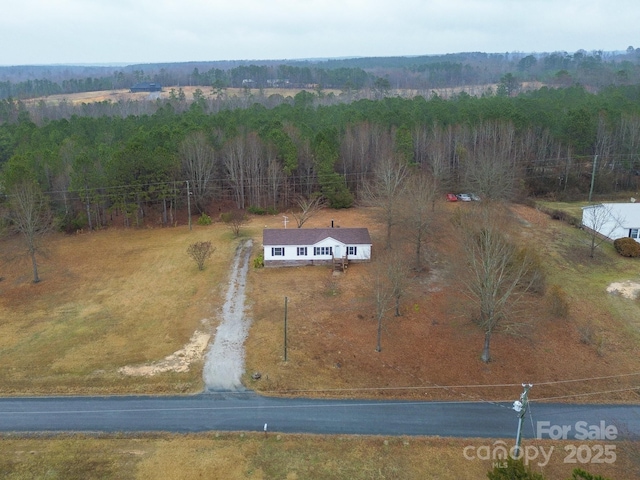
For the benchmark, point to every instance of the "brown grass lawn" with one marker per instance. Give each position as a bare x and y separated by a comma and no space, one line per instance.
127,297
229,456
434,347
107,299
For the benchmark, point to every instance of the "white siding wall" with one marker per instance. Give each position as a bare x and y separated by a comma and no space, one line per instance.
612,220
363,252
289,253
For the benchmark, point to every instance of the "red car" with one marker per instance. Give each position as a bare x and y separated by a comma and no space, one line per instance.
451,197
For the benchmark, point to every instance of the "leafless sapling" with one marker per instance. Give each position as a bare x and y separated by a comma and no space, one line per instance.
234,220
498,270
600,222
200,252
30,216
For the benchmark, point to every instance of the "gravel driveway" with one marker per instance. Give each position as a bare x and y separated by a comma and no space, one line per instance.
224,362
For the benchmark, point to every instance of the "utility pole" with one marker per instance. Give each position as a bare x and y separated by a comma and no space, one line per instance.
593,176
189,204
520,406
285,328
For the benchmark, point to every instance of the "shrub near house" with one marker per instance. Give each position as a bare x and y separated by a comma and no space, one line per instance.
627,247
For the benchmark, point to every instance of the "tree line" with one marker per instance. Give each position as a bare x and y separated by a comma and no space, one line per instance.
244,76
594,70
539,143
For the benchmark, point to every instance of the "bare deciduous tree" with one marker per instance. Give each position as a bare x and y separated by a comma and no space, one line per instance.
30,216
417,212
235,152
309,207
234,220
388,286
275,178
385,190
200,252
498,271
397,275
490,169
382,296
600,222
198,164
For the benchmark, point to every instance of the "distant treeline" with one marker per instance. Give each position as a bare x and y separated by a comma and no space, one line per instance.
593,70
98,170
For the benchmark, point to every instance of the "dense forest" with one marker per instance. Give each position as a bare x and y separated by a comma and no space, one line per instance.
593,70
103,163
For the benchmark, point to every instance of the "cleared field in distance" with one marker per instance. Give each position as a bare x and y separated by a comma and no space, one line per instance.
208,92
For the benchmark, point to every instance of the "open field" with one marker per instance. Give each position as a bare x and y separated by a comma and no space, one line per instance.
230,456
117,298
108,299
127,95
209,92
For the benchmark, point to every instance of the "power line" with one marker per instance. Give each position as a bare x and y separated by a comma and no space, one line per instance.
575,395
468,386
589,379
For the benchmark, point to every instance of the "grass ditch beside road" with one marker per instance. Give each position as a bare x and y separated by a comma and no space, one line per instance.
239,455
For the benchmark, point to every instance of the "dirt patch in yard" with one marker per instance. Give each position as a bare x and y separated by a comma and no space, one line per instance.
178,362
627,289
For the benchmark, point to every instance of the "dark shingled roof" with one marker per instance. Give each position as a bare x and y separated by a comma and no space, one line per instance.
311,236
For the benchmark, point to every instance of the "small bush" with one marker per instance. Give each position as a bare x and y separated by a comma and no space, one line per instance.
558,302
256,210
587,333
200,251
258,262
234,220
204,219
627,247
513,469
563,216
535,278
70,223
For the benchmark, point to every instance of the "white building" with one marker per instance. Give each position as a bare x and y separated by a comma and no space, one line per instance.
315,246
613,220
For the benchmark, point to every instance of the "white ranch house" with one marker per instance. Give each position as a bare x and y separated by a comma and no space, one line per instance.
315,246
613,220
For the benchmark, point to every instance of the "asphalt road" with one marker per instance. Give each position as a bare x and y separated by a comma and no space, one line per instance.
249,412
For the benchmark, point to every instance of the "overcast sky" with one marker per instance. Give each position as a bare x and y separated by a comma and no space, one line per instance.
148,31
